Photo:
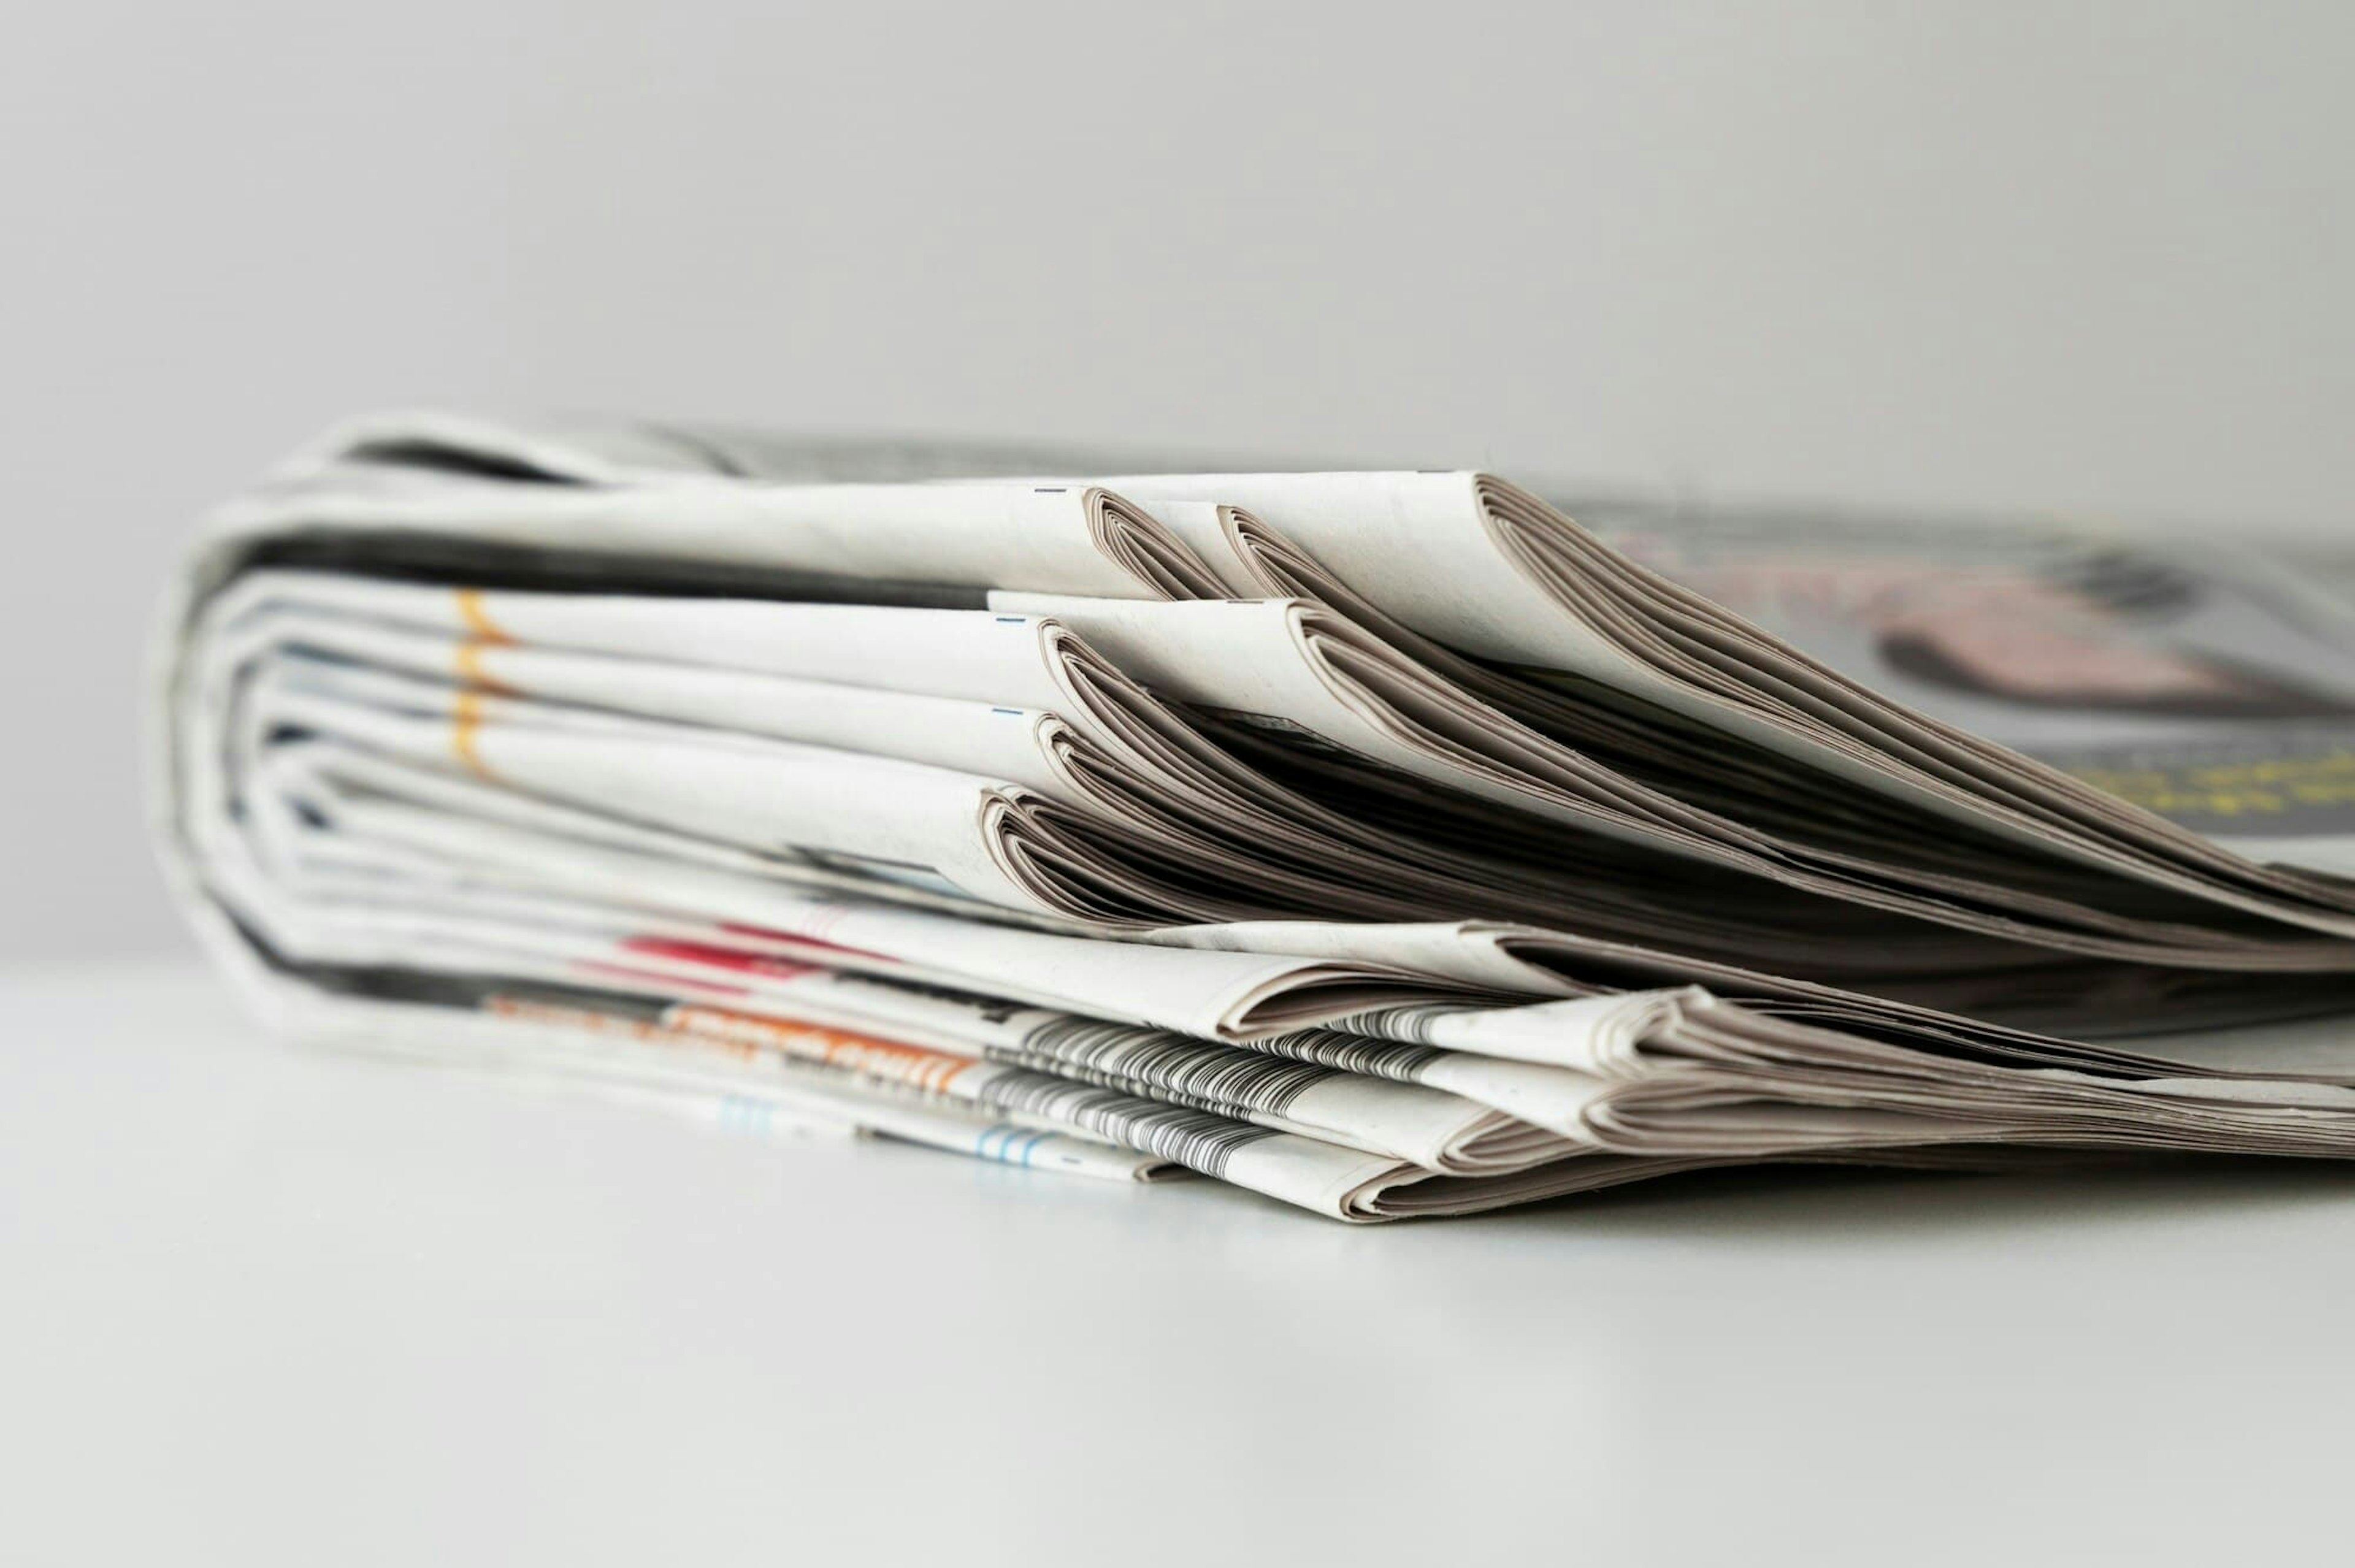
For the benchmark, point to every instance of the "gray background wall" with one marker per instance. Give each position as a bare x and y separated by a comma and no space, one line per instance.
2074,257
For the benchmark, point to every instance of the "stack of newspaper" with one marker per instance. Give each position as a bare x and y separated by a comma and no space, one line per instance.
1385,843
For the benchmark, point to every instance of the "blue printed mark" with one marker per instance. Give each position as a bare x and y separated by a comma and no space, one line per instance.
742,1114
1007,1135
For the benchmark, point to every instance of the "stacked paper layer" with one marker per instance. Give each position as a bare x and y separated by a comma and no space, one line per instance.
1384,843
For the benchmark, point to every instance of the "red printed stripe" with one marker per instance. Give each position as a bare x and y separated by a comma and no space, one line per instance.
655,978
799,940
767,964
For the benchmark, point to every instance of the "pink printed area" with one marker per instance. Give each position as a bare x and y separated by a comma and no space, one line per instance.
769,965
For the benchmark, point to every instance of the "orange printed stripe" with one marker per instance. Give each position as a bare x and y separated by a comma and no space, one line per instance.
919,1064
478,620
746,1035
468,661
465,720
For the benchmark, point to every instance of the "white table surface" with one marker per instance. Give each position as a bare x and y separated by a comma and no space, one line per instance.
262,1305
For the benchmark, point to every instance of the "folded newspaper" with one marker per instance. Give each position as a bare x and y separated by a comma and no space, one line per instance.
1388,844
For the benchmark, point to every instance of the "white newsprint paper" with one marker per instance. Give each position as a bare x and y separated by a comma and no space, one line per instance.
1383,844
